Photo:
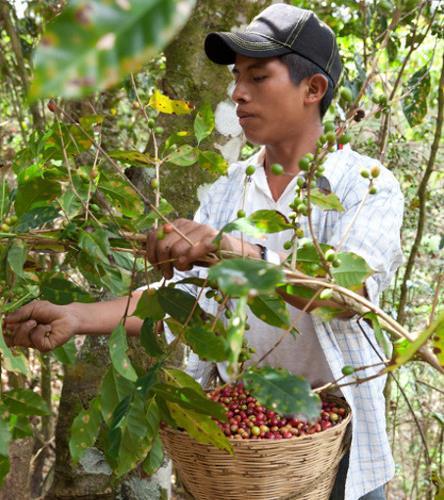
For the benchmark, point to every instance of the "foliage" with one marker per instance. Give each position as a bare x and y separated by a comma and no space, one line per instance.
72,221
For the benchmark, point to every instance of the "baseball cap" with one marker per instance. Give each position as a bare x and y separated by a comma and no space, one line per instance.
280,29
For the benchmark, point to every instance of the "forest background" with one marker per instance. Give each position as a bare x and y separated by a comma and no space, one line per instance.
393,55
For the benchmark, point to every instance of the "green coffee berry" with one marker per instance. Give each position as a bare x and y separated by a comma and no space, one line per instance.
250,170
300,182
365,173
372,190
336,263
241,213
304,163
329,127
330,255
288,245
277,169
299,232
151,122
346,94
159,130
375,171
154,183
331,137
326,294
347,370
344,138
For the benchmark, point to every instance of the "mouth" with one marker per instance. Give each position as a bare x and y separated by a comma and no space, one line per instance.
244,117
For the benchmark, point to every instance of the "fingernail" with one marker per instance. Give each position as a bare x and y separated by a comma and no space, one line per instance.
32,323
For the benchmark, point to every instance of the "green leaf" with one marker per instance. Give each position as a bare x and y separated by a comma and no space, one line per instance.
414,104
121,195
147,221
352,271
381,339
17,256
25,402
200,427
213,162
205,343
37,192
84,430
404,350
155,457
181,379
118,346
179,304
184,156
237,277
95,244
16,364
325,201
235,334
66,353
146,382
204,122
148,306
36,218
5,438
258,223
149,339
92,46
134,158
114,388
133,438
4,468
20,427
191,399
286,393
308,260
59,290
271,309
70,204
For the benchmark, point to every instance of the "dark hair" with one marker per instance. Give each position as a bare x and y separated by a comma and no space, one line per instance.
300,68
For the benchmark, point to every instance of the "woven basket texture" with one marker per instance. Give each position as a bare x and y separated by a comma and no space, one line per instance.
302,468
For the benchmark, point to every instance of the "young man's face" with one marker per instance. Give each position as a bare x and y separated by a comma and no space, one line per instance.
269,105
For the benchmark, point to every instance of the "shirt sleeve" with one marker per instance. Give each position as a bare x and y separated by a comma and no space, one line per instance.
375,233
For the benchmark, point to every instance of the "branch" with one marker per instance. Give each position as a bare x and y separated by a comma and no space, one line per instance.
422,196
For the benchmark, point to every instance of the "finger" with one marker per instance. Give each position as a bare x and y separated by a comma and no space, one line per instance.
164,256
22,314
41,338
151,248
188,255
21,334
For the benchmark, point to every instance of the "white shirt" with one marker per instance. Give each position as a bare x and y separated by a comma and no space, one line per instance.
375,237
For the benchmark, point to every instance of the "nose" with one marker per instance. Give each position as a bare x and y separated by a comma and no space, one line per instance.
240,94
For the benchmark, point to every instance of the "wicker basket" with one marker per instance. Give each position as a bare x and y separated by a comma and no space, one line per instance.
302,468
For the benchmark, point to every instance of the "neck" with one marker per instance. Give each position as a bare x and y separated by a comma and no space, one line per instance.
288,152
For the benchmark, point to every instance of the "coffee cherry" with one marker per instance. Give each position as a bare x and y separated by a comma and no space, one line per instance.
326,294
372,190
277,169
301,181
344,138
329,127
250,170
330,255
375,171
336,263
331,137
13,219
347,370
287,245
346,94
241,213
151,122
365,173
52,106
154,183
5,228
299,232
159,130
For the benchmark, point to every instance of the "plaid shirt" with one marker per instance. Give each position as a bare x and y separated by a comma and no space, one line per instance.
375,237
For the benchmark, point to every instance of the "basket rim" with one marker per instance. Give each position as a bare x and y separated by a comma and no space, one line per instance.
278,442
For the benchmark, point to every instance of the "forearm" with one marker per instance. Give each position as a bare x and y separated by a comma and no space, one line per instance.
101,318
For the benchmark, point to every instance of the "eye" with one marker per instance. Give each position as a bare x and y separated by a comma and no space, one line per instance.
259,78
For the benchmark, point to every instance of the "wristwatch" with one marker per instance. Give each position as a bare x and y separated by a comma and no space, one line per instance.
269,255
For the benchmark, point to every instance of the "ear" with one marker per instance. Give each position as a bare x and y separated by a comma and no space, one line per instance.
316,87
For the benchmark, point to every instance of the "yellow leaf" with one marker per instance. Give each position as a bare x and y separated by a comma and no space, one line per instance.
164,104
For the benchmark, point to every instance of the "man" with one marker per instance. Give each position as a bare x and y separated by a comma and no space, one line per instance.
286,65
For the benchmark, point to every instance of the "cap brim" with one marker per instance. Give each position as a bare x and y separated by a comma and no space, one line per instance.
222,47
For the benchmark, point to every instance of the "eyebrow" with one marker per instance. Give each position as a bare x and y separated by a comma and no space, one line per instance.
255,65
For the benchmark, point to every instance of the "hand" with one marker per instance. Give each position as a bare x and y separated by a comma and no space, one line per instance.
41,325
173,251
